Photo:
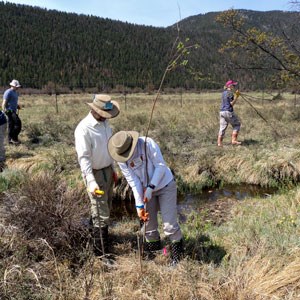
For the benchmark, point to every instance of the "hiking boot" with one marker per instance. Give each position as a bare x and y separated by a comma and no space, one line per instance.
176,252
150,249
102,250
100,240
14,142
2,166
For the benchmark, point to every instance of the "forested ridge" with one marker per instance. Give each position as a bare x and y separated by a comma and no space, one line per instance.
39,46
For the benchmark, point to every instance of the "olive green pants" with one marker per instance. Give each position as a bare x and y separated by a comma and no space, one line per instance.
101,205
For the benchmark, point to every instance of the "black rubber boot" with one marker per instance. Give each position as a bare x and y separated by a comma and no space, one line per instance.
150,248
2,166
107,258
176,252
97,240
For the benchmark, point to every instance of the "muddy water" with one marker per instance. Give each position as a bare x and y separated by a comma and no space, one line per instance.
234,192
218,202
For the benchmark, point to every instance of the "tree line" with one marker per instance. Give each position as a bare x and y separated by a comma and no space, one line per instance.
43,47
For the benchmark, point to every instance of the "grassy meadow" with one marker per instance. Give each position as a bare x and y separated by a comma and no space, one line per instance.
254,254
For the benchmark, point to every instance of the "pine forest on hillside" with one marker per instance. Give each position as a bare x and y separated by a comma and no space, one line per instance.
41,46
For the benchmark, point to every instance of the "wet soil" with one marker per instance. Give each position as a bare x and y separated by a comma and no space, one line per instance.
213,212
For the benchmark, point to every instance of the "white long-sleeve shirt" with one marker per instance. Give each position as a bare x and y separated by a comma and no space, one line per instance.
91,138
134,170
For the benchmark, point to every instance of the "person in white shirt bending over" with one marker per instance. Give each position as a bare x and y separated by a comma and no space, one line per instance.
153,186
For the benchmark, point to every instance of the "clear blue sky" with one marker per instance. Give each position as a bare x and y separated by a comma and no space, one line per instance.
154,12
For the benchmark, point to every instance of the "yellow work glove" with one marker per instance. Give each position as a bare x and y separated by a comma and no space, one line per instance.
237,93
94,189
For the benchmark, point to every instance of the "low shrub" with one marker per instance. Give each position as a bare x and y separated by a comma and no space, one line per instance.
46,208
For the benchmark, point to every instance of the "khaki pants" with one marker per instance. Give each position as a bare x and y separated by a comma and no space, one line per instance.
227,117
165,200
105,181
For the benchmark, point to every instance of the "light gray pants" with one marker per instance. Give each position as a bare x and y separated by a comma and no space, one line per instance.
2,139
103,203
227,117
165,200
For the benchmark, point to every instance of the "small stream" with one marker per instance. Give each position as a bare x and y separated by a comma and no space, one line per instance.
220,198
239,192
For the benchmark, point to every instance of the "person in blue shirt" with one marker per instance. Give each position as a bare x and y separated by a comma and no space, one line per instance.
227,115
153,186
10,106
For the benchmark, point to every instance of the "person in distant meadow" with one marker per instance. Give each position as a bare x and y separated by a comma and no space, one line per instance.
154,188
11,106
91,138
227,115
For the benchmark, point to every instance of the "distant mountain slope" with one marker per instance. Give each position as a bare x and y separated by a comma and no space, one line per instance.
77,51
210,35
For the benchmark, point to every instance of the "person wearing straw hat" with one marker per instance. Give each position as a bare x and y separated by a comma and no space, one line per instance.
227,115
153,185
91,138
10,106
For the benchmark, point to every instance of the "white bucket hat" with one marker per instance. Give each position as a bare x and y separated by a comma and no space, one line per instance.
15,83
104,106
122,144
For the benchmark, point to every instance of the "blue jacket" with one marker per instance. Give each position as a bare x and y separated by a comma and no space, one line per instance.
11,96
227,97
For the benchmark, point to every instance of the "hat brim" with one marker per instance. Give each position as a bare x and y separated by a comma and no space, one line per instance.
127,154
107,114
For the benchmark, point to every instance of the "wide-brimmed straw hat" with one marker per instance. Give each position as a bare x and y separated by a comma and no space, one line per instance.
104,106
15,83
122,144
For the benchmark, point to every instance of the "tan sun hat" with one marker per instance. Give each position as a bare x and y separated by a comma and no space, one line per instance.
122,144
104,106
15,83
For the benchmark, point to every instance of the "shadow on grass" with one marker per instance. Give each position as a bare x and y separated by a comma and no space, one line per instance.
19,154
201,249
204,250
250,142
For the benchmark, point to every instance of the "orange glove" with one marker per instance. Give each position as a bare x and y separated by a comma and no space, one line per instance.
115,178
143,215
